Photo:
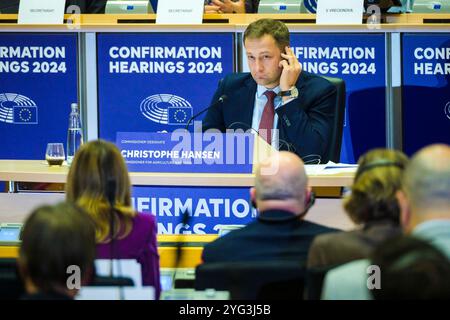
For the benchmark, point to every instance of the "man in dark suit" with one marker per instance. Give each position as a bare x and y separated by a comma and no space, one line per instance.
291,109
279,233
88,6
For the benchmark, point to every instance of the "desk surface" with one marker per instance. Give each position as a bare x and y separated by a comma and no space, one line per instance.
227,23
192,248
40,171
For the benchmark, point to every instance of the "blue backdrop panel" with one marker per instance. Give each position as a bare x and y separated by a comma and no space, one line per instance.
156,82
426,90
154,4
38,82
359,59
208,208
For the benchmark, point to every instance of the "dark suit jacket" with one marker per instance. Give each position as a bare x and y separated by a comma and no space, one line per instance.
275,235
251,6
304,124
337,248
88,6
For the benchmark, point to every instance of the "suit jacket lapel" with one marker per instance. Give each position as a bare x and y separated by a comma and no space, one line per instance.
248,102
242,102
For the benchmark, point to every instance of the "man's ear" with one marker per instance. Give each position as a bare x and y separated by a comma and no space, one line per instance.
405,212
253,196
307,195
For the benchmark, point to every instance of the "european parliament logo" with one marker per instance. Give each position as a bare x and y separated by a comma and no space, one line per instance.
311,5
166,109
17,109
447,110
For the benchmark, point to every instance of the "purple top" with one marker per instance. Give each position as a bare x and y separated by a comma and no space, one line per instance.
140,244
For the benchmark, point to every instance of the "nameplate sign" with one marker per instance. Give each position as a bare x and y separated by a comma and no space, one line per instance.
340,12
180,12
41,12
181,151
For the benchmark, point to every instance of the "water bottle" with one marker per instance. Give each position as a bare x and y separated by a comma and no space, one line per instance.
74,134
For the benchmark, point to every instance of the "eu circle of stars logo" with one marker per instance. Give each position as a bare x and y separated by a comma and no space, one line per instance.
180,116
25,115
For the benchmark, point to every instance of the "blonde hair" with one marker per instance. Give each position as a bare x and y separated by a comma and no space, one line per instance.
94,165
374,188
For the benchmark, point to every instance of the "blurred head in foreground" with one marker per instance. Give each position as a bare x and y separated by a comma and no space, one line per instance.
98,173
378,178
411,269
57,242
281,183
425,193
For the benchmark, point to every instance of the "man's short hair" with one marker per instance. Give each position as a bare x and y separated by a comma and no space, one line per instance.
411,269
274,28
280,185
427,181
291,189
54,238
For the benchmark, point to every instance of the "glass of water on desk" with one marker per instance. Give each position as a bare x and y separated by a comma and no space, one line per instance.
55,154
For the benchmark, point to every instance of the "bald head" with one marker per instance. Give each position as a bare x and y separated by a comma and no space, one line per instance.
427,179
281,177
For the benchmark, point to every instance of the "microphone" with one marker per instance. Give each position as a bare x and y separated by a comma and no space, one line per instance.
184,221
222,99
179,247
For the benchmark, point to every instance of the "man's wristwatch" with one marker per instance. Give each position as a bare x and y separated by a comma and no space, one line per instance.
292,92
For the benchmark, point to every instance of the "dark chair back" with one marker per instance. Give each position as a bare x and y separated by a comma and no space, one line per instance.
101,280
107,281
273,280
314,281
11,286
334,147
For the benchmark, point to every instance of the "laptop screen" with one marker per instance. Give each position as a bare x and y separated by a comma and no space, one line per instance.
8,234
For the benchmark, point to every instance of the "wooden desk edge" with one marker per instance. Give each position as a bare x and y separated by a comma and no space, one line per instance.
85,22
33,171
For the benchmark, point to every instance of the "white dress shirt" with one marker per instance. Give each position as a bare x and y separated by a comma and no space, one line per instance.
260,103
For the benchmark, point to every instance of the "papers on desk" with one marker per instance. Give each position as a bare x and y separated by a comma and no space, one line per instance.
180,12
129,268
330,168
41,12
340,12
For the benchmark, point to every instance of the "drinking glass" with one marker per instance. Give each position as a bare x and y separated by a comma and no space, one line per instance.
55,154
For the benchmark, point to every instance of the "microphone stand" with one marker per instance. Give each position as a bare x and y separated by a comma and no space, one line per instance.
179,252
220,100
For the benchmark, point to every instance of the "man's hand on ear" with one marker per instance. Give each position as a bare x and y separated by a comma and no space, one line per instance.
291,69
